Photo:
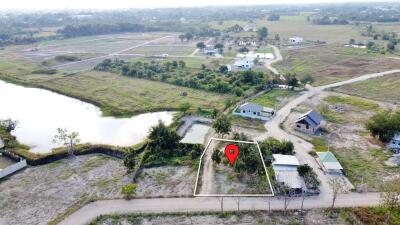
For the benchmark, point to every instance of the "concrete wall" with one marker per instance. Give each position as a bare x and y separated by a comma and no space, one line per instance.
13,168
303,128
251,115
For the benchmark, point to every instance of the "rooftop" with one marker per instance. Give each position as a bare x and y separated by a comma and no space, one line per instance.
329,161
288,160
312,117
254,107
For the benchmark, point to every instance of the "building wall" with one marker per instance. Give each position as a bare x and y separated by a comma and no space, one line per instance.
13,168
249,114
303,128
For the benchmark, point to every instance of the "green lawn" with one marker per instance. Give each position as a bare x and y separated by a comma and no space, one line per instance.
276,98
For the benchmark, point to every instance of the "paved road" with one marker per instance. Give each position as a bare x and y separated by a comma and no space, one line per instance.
92,210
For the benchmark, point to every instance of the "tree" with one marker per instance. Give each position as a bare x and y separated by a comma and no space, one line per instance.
263,33
216,156
304,169
188,36
182,64
291,80
8,125
69,140
201,45
277,37
391,197
384,125
214,113
182,37
222,125
391,46
163,142
352,41
130,160
223,69
307,79
288,194
337,187
185,107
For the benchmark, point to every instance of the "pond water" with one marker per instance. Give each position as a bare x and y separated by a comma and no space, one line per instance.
196,134
40,112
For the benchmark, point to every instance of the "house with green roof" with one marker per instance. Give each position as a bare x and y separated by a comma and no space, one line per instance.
329,162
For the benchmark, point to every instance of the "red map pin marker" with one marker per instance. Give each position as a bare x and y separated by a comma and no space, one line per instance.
231,152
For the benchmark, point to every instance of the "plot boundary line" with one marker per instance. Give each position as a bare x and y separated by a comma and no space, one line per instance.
233,195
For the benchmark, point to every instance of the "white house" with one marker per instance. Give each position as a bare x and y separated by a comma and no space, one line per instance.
254,111
210,51
285,169
394,144
246,63
256,55
296,40
250,27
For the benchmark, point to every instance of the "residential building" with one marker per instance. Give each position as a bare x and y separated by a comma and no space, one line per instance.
394,144
309,122
296,40
329,162
285,169
254,111
244,64
210,51
250,27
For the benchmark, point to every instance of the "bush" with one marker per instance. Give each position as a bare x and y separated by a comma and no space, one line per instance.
47,71
129,190
66,58
384,125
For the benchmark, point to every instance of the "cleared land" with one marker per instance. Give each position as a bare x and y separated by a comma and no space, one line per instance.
384,89
289,26
276,98
50,190
362,157
311,217
333,63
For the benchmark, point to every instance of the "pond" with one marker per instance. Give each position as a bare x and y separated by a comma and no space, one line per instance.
40,112
196,134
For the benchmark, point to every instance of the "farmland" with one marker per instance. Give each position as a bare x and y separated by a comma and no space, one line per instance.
382,89
332,63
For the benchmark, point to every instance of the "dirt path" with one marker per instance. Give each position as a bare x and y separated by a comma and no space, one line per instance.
207,176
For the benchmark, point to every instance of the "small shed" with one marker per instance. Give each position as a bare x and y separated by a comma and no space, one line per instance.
329,162
309,122
285,169
394,144
296,40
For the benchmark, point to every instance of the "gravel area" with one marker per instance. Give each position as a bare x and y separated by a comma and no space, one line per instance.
39,194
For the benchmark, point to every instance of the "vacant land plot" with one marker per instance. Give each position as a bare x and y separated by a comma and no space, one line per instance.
177,50
276,98
39,194
166,181
332,63
384,89
362,157
311,217
290,26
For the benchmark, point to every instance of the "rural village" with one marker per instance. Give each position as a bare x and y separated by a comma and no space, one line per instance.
127,123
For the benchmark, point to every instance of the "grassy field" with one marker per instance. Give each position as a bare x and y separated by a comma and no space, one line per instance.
332,63
384,89
289,26
115,94
276,98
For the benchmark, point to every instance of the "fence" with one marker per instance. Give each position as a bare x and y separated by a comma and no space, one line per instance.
13,168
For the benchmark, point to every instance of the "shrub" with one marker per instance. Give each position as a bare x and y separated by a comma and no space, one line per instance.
129,190
47,71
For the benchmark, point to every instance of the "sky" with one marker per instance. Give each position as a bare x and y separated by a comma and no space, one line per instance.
124,4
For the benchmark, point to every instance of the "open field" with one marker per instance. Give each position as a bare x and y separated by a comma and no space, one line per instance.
48,191
114,94
362,157
332,63
289,26
311,217
384,89
276,98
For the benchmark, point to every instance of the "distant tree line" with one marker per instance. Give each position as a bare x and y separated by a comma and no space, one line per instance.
101,28
325,20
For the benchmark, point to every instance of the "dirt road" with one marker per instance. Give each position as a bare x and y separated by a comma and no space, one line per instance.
92,210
